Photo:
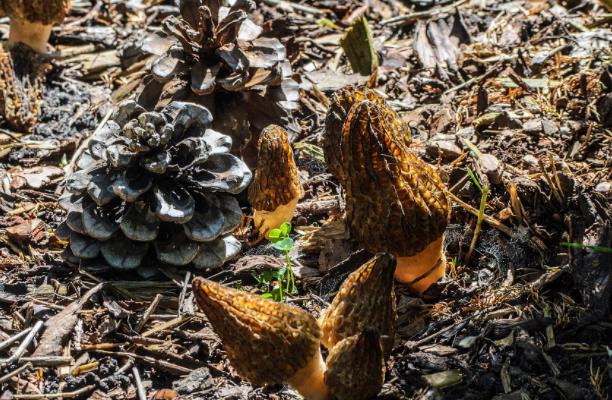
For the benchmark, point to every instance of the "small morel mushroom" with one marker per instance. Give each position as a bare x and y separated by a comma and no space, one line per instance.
266,342
365,299
395,202
341,102
213,55
22,81
32,20
276,187
356,367
157,182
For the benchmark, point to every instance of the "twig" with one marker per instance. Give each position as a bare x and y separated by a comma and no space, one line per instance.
404,19
15,372
289,6
69,169
138,382
48,361
22,347
14,338
160,364
148,312
65,395
489,220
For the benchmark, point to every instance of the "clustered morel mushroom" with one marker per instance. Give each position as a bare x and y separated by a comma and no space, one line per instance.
32,20
271,343
22,82
366,298
395,202
155,182
22,68
276,186
214,55
266,342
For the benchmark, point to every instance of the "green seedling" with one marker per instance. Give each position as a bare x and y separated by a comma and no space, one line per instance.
596,249
484,193
281,280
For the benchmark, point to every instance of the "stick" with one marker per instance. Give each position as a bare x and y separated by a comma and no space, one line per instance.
22,347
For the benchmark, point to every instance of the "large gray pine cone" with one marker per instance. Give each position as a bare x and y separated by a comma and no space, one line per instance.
158,184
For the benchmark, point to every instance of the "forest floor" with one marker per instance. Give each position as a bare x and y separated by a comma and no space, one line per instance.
519,92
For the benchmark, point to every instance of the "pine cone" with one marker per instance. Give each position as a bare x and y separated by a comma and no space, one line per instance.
155,183
213,55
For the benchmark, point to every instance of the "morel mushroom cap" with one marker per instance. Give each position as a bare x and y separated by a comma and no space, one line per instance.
276,187
356,367
266,342
341,103
394,201
32,20
366,298
162,178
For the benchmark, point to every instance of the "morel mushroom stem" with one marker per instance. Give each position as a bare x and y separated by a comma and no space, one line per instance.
310,380
34,34
265,221
423,269
32,20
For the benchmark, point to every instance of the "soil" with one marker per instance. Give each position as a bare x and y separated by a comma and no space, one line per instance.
516,94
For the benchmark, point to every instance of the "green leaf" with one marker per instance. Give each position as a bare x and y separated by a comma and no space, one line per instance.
359,47
285,245
285,229
267,295
274,235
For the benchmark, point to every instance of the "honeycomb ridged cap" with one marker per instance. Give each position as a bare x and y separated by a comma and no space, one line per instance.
266,342
355,367
395,202
276,180
365,299
342,101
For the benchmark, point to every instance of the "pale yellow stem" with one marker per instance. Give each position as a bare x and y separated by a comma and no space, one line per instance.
34,34
265,221
310,380
410,269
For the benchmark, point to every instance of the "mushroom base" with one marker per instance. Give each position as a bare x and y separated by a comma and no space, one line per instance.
34,34
265,221
423,269
310,380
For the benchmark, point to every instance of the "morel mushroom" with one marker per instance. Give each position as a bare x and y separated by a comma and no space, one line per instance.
365,299
22,81
213,55
276,187
32,20
266,342
341,102
356,367
394,201
157,182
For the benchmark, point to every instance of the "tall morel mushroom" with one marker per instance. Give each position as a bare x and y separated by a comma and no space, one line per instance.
32,20
155,183
276,187
395,202
213,55
365,299
266,342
